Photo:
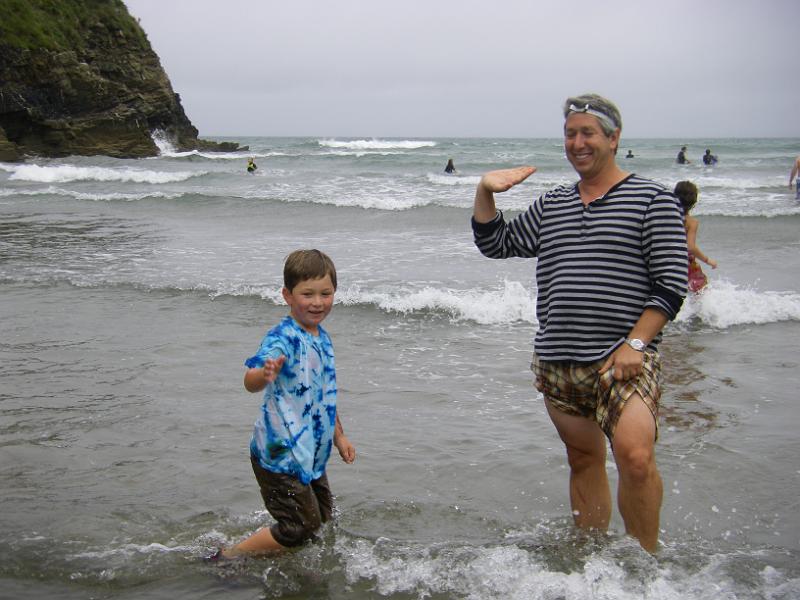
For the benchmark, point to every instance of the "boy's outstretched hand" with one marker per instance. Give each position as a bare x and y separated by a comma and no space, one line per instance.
346,450
272,366
257,378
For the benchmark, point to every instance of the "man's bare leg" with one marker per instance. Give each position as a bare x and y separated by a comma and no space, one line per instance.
640,488
589,494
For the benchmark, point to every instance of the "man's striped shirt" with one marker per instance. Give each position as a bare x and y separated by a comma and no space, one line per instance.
599,265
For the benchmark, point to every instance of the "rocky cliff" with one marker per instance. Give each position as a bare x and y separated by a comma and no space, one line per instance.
80,77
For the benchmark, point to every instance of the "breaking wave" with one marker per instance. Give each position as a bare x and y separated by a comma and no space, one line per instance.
68,173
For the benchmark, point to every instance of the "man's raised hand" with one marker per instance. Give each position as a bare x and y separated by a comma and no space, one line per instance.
504,179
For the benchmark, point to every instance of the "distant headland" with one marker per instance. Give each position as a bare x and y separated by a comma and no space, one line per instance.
81,78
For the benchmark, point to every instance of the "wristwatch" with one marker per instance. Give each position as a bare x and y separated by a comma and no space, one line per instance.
636,344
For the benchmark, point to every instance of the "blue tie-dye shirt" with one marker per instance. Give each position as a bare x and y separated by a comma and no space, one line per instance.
294,431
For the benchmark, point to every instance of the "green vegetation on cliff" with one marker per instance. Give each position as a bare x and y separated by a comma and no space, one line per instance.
57,25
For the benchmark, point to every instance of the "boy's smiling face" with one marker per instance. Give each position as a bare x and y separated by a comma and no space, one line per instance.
310,301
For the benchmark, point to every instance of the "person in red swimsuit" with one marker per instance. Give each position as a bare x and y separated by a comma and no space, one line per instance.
687,193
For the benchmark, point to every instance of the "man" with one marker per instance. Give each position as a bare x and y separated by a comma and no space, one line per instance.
681,158
611,271
795,173
708,158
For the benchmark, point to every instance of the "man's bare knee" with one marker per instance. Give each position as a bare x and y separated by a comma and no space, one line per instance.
580,460
635,464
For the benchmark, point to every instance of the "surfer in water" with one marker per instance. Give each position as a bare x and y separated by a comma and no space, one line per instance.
450,168
681,158
687,193
251,165
709,159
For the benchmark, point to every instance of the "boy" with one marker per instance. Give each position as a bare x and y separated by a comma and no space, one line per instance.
298,424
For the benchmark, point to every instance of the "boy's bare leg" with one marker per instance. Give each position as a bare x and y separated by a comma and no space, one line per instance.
261,542
640,488
589,493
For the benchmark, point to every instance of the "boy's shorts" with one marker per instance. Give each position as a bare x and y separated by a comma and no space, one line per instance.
299,509
577,389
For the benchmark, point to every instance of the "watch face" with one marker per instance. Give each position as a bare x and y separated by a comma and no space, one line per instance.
636,344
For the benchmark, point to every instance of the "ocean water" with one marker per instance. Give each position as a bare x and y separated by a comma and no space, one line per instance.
132,290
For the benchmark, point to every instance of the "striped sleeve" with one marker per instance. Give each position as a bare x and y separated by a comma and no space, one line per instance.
519,237
665,249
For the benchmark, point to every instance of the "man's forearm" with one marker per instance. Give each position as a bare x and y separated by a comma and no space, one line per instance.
649,324
485,209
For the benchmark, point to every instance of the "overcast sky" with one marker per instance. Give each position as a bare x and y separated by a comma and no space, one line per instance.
495,68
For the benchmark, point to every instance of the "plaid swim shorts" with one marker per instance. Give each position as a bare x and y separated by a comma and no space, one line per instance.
577,389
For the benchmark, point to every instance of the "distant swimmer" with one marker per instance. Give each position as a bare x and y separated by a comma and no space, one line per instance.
681,158
450,168
795,174
251,165
629,154
708,158
687,193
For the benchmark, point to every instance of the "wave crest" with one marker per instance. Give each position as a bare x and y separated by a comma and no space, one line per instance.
510,304
67,173
375,144
723,304
443,179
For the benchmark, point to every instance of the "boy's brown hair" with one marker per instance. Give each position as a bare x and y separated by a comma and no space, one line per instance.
301,265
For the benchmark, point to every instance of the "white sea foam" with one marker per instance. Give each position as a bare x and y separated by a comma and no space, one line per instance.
162,142
444,179
737,182
770,206
128,550
67,173
721,305
510,304
375,144
119,196
511,573
384,198
166,148
238,155
724,304
360,153
103,196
